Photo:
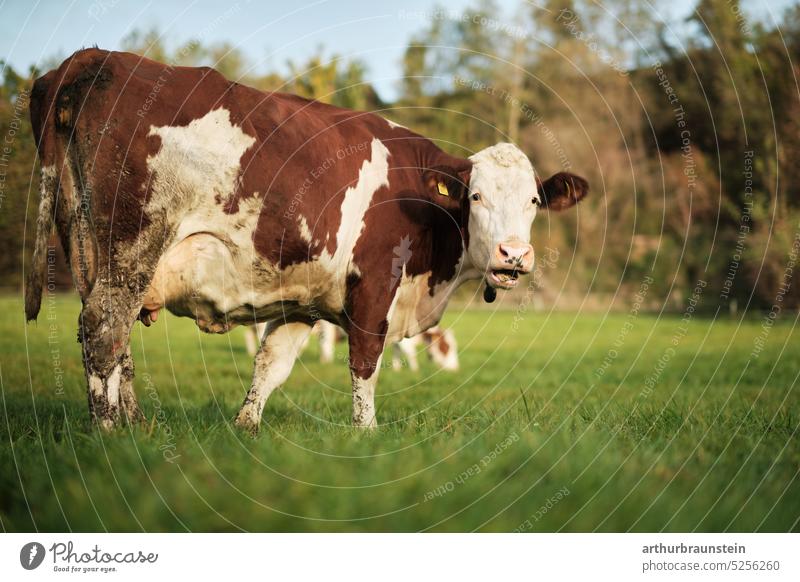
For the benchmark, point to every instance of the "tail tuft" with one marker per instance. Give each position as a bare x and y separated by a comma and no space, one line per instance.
44,221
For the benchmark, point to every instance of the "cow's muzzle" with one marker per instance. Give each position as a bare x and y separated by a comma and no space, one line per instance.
511,259
503,278
500,279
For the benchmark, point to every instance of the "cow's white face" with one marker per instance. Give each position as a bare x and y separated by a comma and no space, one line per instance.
503,201
504,196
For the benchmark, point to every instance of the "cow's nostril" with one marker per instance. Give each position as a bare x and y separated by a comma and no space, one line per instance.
516,253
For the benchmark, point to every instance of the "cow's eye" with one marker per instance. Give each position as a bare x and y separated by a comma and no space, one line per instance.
476,196
535,202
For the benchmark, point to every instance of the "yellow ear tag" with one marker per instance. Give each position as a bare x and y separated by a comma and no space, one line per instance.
443,189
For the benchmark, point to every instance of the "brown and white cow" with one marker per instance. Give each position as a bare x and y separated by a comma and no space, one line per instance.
172,187
439,343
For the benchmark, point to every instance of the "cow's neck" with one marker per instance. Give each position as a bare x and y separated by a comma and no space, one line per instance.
422,299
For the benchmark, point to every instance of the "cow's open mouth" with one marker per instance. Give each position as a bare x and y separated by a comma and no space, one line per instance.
503,278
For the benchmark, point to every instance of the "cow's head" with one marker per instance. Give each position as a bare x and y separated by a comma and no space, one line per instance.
501,195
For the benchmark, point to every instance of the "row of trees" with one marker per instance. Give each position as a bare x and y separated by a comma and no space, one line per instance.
686,130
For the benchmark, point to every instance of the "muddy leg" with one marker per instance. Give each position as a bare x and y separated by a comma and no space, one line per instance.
366,352
130,405
105,324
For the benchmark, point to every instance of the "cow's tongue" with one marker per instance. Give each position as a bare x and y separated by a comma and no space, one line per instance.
489,294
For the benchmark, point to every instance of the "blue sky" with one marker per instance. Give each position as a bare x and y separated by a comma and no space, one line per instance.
269,33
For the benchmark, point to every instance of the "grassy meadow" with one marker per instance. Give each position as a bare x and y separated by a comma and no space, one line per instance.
556,422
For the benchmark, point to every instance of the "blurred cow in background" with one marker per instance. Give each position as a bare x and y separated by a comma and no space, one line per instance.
439,343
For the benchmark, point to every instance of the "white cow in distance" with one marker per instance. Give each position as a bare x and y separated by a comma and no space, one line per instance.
440,344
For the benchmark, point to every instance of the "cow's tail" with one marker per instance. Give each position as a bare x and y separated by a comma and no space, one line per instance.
55,102
44,222
48,190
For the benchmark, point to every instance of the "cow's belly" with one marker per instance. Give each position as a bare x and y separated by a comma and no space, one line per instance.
202,279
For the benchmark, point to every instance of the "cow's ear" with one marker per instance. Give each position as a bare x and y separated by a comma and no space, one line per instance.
561,191
443,182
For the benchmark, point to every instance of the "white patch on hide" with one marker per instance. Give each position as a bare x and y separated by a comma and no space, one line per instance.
325,279
96,386
109,389
305,232
112,386
196,162
395,298
394,125
373,175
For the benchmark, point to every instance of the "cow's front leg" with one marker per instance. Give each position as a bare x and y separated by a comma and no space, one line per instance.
280,346
367,324
366,351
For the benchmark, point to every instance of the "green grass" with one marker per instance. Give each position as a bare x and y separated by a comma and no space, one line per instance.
712,447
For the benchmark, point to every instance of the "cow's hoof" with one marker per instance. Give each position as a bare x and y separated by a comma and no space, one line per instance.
247,423
369,425
107,424
130,409
135,416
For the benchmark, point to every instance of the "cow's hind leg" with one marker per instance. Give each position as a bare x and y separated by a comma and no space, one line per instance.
327,341
105,324
280,346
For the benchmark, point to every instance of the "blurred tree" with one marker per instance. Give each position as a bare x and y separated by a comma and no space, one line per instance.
149,43
315,79
455,79
332,80
224,57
